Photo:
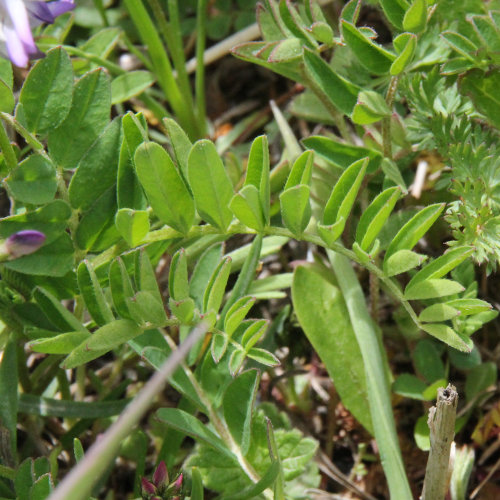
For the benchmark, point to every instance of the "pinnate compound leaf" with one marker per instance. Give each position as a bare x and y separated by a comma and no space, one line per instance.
101,341
433,288
47,93
408,236
210,184
164,187
88,116
373,218
323,315
372,56
237,404
448,336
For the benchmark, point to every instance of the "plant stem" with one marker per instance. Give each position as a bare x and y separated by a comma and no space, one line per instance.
442,426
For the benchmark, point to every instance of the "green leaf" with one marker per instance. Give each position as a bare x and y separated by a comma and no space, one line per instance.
165,189
421,433
415,18
322,32
442,265
78,451
342,155
370,108
264,357
212,189
405,45
372,56
96,172
432,288
121,287
178,284
482,89
7,101
344,193
47,93
104,339
487,31
332,232
216,287
350,11
55,259
88,116
197,485
145,276
374,217
238,403
296,208
9,389
427,359
408,236
409,386
438,312
301,172
236,314
236,361
258,172
147,310
402,261
246,206
470,306
204,268
130,84
431,392
461,44
133,225
180,144
93,294
253,333
322,314
294,23
33,181
448,336
394,11
63,343
267,480
327,84
42,488
479,379
191,426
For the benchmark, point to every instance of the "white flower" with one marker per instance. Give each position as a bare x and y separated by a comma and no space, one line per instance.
17,17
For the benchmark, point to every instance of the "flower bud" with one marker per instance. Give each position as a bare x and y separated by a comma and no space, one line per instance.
24,243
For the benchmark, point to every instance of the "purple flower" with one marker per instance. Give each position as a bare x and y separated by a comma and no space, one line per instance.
24,243
17,17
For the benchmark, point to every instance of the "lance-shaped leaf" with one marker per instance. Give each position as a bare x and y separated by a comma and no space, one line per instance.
442,265
60,344
372,56
415,18
329,85
395,11
236,314
468,307
373,218
341,200
93,294
322,314
296,208
433,288
180,144
448,336
214,293
253,333
238,404
350,11
487,31
405,45
145,277
210,184
258,172
121,287
408,236
101,341
178,285
263,357
438,312
463,45
246,205
164,187
294,23
130,84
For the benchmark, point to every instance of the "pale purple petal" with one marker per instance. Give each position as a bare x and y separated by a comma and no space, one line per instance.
47,12
18,15
24,242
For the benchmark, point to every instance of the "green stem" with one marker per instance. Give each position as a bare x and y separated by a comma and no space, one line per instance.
7,149
379,396
201,22
161,65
